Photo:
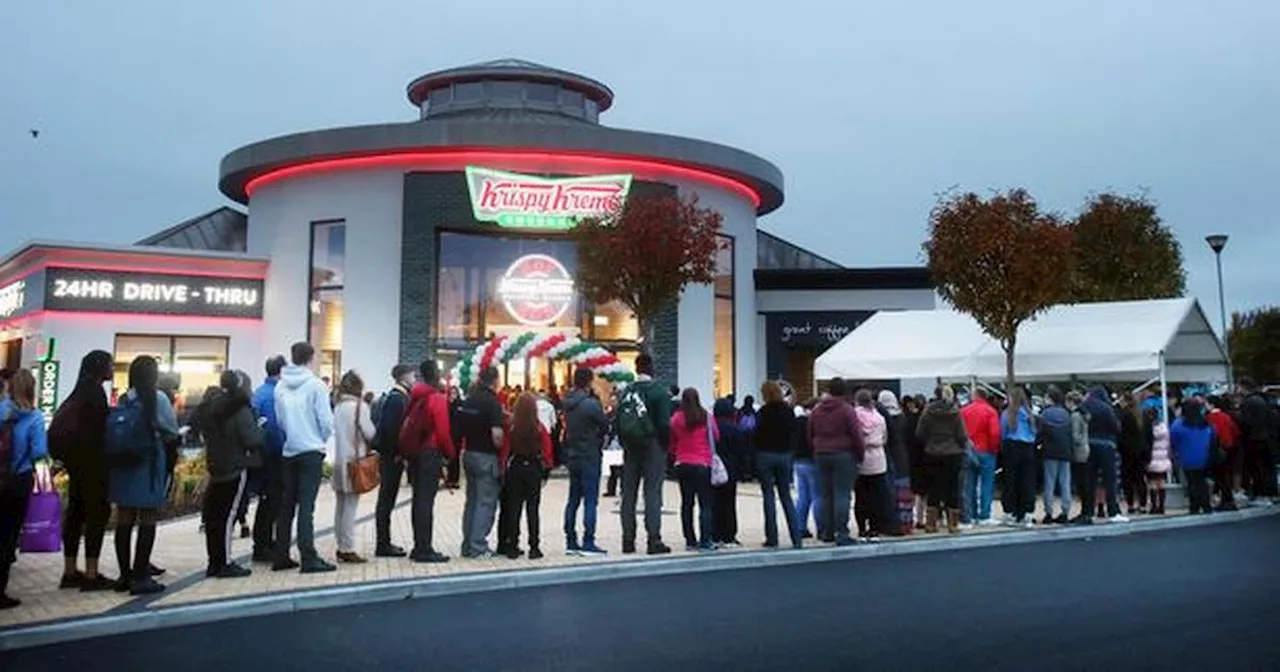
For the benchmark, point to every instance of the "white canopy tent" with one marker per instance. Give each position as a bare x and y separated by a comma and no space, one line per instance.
1165,339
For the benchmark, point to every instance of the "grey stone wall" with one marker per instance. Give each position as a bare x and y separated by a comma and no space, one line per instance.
665,346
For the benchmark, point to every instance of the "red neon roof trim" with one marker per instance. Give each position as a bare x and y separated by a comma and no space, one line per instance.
539,160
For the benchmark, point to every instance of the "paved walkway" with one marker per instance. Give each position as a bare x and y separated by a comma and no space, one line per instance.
180,549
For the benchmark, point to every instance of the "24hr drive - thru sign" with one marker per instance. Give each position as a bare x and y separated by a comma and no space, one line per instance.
73,289
527,201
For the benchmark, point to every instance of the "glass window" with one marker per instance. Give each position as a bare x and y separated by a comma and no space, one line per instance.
325,307
543,93
614,322
439,96
508,91
593,110
571,99
724,318
468,92
189,365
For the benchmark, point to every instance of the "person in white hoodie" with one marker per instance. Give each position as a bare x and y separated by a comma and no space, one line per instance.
304,414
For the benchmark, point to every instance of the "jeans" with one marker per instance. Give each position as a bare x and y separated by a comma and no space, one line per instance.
695,482
425,468
270,482
1020,477
584,489
1198,490
388,491
774,472
724,507
650,464
221,502
522,490
484,485
1102,464
979,487
835,482
1057,475
808,495
301,484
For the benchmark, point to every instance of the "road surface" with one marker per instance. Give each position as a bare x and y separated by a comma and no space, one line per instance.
1201,598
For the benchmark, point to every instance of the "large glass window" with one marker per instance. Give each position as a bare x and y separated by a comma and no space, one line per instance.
190,364
724,318
325,309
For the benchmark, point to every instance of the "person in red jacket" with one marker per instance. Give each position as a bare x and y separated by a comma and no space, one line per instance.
525,458
1229,438
982,423
426,441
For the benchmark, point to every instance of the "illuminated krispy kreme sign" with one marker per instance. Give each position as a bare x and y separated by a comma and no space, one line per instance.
525,201
129,292
536,290
12,297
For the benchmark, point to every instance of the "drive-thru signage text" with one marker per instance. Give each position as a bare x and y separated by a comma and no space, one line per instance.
128,292
531,202
12,297
536,290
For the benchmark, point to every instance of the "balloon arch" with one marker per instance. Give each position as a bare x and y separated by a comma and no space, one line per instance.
530,345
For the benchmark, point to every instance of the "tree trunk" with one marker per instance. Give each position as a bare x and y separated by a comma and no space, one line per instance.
1008,347
648,329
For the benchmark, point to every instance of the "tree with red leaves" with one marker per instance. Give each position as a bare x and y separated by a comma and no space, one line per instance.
646,253
1001,260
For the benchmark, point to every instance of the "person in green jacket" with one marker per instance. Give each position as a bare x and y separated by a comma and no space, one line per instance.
646,460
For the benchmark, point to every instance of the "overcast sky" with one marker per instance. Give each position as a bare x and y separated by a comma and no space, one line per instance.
869,108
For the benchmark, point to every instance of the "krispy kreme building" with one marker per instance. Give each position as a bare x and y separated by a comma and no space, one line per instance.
433,236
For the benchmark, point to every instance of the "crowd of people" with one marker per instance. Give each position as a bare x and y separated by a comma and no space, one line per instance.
900,468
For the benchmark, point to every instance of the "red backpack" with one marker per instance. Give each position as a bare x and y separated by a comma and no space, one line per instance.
417,432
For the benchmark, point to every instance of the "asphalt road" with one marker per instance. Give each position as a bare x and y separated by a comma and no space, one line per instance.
1203,598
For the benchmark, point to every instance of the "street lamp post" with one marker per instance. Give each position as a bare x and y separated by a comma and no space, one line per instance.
1217,242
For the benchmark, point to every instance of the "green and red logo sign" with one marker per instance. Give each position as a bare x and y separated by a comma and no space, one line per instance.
526,201
536,290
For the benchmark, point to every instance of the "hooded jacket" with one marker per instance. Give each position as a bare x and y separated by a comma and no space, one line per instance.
1257,421
30,442
875,436
833,428
302,408
1104,425
942,430
424,398
233,439
585,425
732,447
982,422
264,404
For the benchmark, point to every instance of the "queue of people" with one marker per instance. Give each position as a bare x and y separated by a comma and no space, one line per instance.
900,468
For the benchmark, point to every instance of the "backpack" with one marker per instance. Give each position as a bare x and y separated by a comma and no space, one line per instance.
64,429
6,452
747,423
375,414
635,426
130,439
417,432
1055,430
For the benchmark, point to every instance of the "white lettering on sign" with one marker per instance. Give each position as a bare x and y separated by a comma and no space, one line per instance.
834,332
84,289
155,293
536,290
168,294
792,330
222,296
12,296
529,201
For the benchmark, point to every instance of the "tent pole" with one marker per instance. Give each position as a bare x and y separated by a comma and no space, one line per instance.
1145,385
1164,392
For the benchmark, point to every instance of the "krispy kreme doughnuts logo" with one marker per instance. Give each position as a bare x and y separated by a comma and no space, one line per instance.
536,290
527,201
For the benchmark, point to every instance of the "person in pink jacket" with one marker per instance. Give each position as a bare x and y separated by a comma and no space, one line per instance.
871,489
693,436
1161,462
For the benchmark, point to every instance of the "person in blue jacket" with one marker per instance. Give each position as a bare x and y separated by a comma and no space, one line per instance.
1191,439
268,480
25,424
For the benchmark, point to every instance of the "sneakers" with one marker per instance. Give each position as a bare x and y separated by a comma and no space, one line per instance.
571,546
658,548
147,586
284,565
706,547
71,581
1118,518
233,571
7,602
535,553
97,584
389,551
351,558
987,522
628,547
317,566
591,550
430,557
156,571
1048,519
845,541
1027,523
690,548
264,556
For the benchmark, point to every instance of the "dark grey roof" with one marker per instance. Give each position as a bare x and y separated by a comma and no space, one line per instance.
222,230
773,252
889,277
510,68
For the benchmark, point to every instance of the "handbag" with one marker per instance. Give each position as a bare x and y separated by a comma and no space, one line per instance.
719,474
364,473
42,527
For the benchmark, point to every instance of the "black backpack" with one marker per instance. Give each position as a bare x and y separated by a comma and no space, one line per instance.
7,480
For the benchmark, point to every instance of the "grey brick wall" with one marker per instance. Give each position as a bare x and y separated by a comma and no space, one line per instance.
440,200
665,350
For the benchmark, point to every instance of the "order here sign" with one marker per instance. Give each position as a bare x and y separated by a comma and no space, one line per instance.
74,289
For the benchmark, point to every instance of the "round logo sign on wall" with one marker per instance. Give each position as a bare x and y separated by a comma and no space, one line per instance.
536,290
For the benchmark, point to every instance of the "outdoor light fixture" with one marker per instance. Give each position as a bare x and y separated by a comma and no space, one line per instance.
1217,242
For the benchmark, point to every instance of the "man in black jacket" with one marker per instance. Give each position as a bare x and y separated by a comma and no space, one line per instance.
389,417
1258,430
585,425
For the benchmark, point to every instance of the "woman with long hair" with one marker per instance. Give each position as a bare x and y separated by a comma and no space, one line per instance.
526,457
774,439
693,436
945,438
77,437
1135,453
137,481
733,451
1160,465
919,474
28,443
233,444
353,432
1018,432
1193,443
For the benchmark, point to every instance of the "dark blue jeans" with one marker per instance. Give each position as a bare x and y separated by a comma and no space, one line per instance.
695,483
774,472
836,472
584,489
301,484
